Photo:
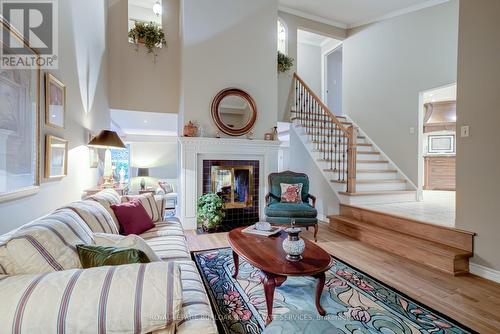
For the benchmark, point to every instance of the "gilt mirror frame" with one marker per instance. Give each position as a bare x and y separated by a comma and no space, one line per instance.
216,116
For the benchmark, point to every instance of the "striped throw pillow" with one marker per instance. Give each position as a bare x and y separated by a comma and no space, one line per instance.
106,198
149,203
95,215
48,244
92,300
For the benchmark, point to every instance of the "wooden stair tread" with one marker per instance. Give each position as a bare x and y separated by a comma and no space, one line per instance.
332,143
407,240
316,114
309,133
362,171
358,152
379,192
382,181
358,161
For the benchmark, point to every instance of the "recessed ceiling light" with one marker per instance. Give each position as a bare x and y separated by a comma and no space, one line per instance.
145,121
53,116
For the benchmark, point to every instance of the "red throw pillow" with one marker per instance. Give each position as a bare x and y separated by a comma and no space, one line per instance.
133,218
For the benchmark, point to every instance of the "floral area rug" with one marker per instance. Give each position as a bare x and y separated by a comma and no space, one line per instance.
354,302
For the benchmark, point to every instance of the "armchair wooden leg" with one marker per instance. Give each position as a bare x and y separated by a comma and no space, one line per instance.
307,228
316,227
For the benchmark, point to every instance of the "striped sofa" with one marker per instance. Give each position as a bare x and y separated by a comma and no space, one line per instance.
43,288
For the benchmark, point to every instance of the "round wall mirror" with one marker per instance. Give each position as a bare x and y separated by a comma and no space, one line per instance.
234,112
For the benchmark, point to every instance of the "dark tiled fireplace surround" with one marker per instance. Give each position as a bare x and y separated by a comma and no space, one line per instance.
238,216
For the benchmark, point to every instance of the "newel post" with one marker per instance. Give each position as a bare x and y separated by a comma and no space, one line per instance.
351,159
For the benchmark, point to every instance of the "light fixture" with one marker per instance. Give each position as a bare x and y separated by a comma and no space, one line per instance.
143,172
157,8
107,139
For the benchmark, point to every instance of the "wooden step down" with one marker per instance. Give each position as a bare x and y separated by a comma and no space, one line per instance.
442,257
444,248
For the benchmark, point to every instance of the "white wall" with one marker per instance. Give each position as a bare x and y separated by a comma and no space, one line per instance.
478,102
229,43
136,82
159,157
327,203
83,69
309,65
293,23
387,65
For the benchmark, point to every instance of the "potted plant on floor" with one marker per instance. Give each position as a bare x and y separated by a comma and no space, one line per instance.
150,34
210,212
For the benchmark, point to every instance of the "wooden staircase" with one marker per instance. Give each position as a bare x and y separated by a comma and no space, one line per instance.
443,248
357,171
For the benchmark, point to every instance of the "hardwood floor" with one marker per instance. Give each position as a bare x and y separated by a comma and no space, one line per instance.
470,300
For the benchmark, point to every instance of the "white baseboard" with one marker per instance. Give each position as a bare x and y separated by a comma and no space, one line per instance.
484,272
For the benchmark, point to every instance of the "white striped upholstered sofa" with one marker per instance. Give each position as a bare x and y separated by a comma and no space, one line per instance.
43,288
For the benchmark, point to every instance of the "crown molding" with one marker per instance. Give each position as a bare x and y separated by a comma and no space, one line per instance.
312,17
396,13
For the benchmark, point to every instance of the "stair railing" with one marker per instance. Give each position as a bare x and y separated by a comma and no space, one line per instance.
335,141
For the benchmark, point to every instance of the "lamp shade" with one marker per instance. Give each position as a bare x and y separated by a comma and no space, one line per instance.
144,172
107,139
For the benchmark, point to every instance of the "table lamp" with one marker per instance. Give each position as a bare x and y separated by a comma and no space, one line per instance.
107,140
143,172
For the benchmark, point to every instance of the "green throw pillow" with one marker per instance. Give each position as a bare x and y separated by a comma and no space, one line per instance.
98,256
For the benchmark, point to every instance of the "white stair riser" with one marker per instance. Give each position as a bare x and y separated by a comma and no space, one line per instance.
372,166
368,176
380,186
379,199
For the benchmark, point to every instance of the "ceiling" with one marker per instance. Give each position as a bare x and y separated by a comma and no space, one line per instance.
312,38
148,4
353,13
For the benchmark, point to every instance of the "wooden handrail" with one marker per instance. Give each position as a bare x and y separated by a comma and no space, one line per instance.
337,144
322,105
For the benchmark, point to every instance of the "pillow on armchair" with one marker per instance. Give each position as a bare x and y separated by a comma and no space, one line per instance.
291,193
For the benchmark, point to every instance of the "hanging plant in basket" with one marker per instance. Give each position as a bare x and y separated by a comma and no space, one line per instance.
210,212
285,63
150,34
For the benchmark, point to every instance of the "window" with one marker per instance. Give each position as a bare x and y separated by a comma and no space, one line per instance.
282,37
120,159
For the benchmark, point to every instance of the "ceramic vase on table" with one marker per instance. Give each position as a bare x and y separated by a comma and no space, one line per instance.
293,246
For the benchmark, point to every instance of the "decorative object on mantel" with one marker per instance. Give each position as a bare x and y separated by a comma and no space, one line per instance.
268,136
190,130
275,133
210,212
217,135
56,157
107,139
19,129
234,112
250,135
293,246
285,63
143,172
55,102
150,34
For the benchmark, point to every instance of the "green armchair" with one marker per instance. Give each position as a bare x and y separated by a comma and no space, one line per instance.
304,214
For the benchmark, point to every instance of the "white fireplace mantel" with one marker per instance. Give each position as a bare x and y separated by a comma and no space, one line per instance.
194,150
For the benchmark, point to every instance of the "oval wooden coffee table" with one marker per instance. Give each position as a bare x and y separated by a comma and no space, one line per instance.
267,254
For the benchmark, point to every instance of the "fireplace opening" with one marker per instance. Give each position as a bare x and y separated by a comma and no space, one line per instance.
237,182
234,185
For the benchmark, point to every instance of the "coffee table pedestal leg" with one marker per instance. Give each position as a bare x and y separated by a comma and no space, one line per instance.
236,260
270,282
319,290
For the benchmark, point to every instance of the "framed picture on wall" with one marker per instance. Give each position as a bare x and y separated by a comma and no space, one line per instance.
55,102
56,157
19,127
